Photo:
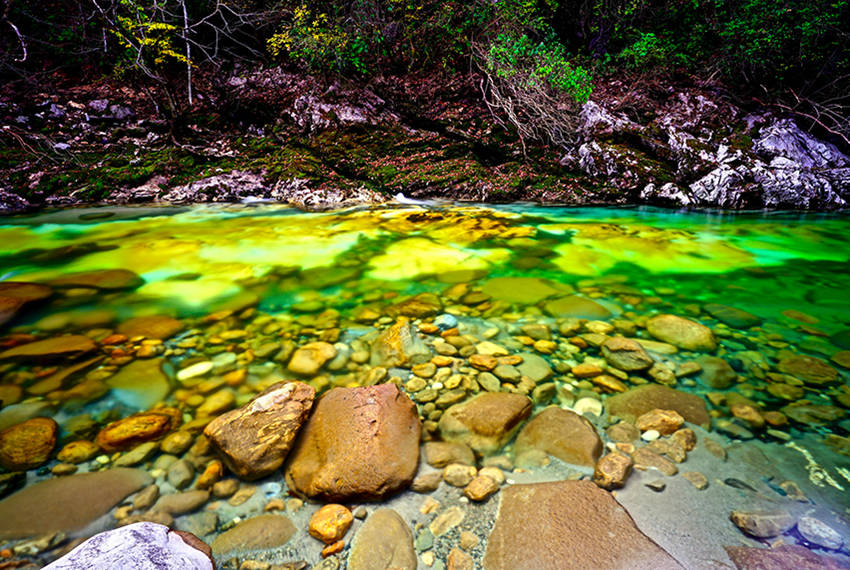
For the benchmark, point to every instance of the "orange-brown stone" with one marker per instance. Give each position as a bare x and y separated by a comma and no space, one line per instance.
138,428
28,444
330,523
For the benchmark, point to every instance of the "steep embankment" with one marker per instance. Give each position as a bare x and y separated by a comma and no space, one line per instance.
283,136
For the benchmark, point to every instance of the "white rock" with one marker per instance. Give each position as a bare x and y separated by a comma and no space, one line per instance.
588,405
650,435
818,532
195,370
139,546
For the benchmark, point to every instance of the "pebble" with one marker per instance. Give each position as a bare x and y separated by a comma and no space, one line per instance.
480,488
427,482
330,523
446,521
696,479
242,495
177,442
180,474
195,370
458,475
819,533
588,405
225,488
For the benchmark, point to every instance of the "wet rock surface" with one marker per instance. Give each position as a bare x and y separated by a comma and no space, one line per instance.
375,456
570,524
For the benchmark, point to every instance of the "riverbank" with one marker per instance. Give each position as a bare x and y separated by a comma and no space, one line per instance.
287,137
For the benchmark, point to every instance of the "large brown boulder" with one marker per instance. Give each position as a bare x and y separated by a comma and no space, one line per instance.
637,401
255,439
568,525
486,422
28,444
562,434
360,443
15,294
682,332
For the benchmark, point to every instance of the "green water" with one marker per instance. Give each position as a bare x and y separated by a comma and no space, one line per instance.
244,280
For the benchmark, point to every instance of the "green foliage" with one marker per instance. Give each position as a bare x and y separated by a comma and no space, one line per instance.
647,50
537,64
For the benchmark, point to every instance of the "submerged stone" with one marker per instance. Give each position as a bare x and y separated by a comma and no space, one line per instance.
129,432
566,525
519,290
562,434
642,399
736,318
577,307
486,422
68,345
262,532
28,444
158,327
809,369
681,332
384,541
399,345
108,279
140,384
67,504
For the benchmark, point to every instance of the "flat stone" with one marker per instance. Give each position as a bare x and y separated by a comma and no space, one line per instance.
138,428
781,558
637,401
697,479
15,294
67,504
107,279
626,354
384,541
27,445
811,370
160,327
480,488
519,290
563,434
486,422
577,307
681,332
262,532
645,458
53,347
534,367
181,503
818,532
736,318
420,306
376,455
568,525
842,358
139,546
140,384
254,440
446,520
763,523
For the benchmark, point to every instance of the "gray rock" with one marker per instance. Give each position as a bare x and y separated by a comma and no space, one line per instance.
181,473
819,533
139,546
534,367
763,523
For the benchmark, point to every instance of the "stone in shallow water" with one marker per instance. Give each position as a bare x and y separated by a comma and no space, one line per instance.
108,279
155,327
520,290
399,345
67,504
781,558
138,428
534,367
626,354
763,523
15,294
140,384
575,306
258,533
51,347
384,541
255,439
716,372
682,332
374,456
562,434
139,546
736,318
309,359
809,369
28,444
486,422
638,401
565,525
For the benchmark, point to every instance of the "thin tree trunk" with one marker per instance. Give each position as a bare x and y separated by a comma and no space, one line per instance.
188,51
